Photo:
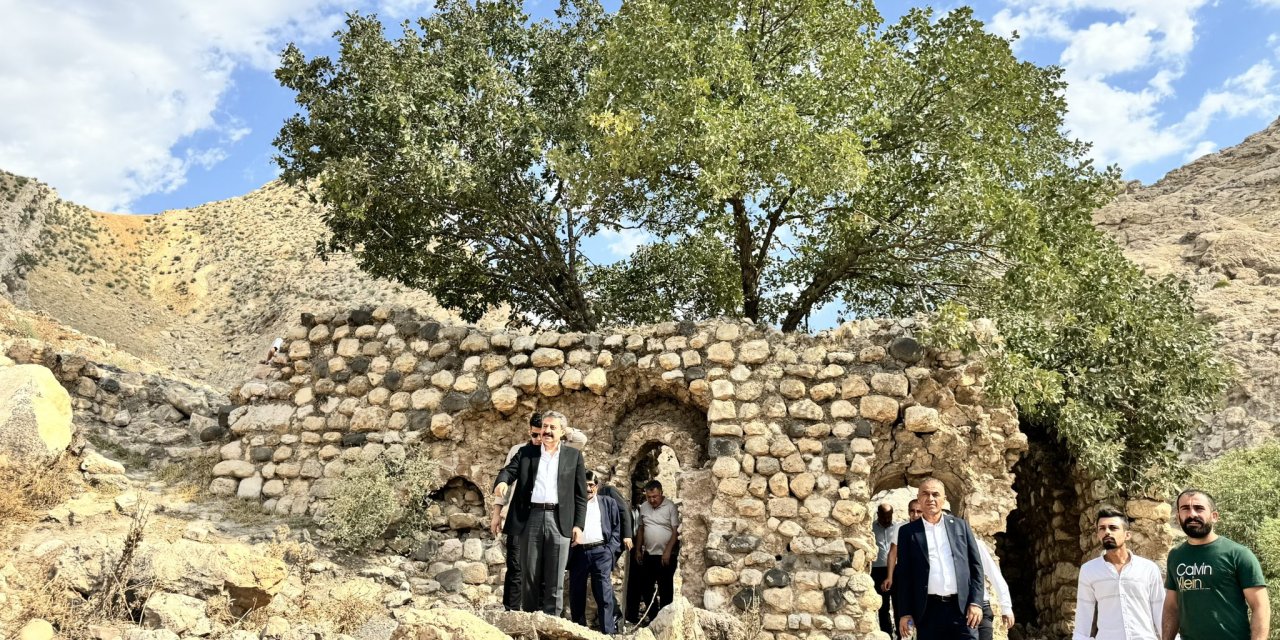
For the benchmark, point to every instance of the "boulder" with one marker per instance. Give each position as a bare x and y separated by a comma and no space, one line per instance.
36,629
35,416
251,579
180,614
680,620
526,625
444,624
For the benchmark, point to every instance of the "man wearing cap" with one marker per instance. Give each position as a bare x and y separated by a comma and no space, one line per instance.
548,511
511,584
593,559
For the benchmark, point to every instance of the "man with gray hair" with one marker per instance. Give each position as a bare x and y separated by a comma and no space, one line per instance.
511,583
547,512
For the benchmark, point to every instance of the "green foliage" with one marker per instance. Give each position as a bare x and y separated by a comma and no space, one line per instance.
691,279
436,155
375,495
886,167
1244,483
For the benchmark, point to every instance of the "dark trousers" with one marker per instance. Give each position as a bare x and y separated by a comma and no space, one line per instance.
943,620
878,575
654,575
544,552
594,565
986,630
511,584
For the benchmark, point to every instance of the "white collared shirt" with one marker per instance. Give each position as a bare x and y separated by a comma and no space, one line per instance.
942,568
992,571
885,536
1129,602
546,485
593,532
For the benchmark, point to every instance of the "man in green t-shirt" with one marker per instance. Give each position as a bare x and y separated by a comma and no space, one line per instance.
1212,583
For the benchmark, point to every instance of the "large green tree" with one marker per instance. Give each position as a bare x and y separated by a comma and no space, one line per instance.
839,159
435,155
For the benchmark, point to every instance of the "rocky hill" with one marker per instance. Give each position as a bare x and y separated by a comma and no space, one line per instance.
199,291
1215,223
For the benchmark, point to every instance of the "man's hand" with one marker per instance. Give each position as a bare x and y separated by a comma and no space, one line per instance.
887,584
626,542
1008,620
666,558
500,490
577,537
495,523
639,555
904,627
974,617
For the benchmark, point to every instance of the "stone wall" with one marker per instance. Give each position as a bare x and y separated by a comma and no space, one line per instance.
781,439
148,415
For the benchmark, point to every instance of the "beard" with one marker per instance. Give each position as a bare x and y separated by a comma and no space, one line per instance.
1196,528
1110,543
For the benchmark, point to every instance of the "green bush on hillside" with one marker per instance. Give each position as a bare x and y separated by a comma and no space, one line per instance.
1244,484
375,495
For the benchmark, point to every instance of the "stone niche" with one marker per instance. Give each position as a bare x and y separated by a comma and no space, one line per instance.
781,439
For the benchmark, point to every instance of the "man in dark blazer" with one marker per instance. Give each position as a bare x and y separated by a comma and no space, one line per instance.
938,580
547,512
594,559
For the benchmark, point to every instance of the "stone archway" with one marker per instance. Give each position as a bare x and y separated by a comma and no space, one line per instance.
667,436
458,507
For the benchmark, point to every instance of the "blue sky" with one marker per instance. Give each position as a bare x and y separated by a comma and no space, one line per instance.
141,106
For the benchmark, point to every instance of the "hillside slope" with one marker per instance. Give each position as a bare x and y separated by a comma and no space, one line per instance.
1216,224
200,291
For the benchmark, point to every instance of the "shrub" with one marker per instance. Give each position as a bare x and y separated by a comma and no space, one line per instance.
1244,484
374,496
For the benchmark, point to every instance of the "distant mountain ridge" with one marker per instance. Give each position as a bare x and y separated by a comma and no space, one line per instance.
200,291
1216,224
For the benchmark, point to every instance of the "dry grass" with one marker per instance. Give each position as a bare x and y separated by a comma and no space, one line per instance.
25,495
45,595
187,478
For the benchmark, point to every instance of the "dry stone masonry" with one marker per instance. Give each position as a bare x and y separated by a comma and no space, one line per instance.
782,440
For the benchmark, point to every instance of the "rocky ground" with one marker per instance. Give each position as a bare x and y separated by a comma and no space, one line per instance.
92,548
1215,224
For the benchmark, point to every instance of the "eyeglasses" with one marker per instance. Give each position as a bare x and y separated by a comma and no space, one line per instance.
535,434
591,484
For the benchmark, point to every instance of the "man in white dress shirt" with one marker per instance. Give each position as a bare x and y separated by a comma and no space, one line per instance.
511,583
1124,590
938,579
986,629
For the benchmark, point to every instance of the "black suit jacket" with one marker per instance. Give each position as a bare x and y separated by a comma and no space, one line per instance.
571,503
610,523
911,575
624,509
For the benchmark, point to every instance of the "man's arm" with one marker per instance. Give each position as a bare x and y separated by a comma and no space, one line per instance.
1169,624
1086,605
1157,602
508,475
893,562
1003,596
625,512
675,536
613,539
1260,612
639,550
579,496
977,578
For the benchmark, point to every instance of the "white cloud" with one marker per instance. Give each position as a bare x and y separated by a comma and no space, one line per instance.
97,94
624,242
1121,70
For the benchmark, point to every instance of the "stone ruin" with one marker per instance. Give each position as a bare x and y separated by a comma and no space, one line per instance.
782,440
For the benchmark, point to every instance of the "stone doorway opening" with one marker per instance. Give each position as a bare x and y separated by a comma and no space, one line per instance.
457,507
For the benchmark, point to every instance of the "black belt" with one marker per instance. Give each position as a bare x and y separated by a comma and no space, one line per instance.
938,598
592,545
546,506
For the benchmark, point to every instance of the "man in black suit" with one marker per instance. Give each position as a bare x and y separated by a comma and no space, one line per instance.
938,580
593,559
547,512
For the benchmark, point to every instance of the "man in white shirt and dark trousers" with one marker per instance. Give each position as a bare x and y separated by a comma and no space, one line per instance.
1125,590
547,512
938,580
511,583
886,532
593,559
986,630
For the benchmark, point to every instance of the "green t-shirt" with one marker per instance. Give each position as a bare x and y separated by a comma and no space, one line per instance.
1210,580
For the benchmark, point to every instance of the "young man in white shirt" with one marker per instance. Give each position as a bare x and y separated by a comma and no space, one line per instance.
1124,590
